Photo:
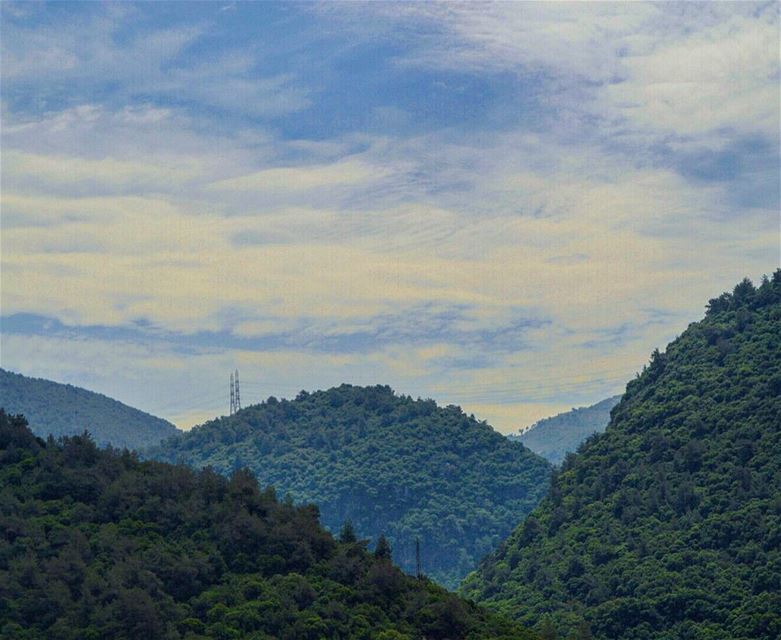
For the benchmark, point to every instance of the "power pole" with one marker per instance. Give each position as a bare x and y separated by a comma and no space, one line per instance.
419,572
238,395
233,397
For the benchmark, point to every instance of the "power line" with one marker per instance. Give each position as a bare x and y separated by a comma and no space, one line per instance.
476,392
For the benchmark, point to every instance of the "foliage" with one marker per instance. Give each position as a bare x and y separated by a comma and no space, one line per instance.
99,545
392,465
668,525
553,438
62,409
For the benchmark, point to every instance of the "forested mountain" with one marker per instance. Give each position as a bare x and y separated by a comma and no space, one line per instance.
392,465
668,525
97,544
62,409
553,438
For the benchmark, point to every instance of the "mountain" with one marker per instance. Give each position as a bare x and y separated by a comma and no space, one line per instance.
392,465
62,409
553,438
97,544
667,525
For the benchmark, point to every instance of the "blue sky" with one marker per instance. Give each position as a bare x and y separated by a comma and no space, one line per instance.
506,206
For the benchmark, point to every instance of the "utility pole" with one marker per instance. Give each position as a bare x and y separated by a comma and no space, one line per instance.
238,395
233,397
419,572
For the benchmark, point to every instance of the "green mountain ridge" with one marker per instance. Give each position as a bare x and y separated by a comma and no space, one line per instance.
98,545
553,438
59,409
668,524
392,465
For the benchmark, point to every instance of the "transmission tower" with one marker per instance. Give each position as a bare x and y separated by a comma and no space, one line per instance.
233,397
238,395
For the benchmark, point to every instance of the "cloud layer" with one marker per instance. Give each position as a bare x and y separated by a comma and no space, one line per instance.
503,206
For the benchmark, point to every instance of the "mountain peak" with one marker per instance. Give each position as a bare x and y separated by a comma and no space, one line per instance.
391,464
667,524
57,409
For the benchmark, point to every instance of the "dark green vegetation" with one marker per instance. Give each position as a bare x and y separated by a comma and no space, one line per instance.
392,465
668,525
97,545
553,438
62,409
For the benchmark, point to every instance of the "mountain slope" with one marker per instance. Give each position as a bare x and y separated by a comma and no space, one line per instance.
392,465
62,409
668,525
553,438
99,545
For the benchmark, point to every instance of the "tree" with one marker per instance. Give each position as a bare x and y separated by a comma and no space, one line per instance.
383,549
547,630
582,632
191,554
347,534
680,490
323,448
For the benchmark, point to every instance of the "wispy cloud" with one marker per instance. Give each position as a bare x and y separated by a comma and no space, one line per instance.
502,205
682,68
67,58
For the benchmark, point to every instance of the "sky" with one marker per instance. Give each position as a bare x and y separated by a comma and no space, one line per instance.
502,206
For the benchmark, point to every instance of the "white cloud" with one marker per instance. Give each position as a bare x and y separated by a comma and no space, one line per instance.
667,68
349,171
111,215
718,77
106,174
77,58
177,259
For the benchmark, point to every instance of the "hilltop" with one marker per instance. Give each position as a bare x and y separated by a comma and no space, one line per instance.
98,544
553,438
62,409
392,465
667,525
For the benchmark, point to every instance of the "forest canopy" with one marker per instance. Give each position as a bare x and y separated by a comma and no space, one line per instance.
58,409
405,468
553,438
667,525
99,545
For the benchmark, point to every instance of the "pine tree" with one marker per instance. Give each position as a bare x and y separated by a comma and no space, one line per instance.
347,534
383,549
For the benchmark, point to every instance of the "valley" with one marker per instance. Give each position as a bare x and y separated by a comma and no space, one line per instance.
664,525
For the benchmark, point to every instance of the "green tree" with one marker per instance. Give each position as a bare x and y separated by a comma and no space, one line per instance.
547,629
347,533
98,544
383,549
667,524
582,632
389,463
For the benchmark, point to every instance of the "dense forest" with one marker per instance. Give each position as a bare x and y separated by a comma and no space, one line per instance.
668,525
98,545
392,465
62,409
553,438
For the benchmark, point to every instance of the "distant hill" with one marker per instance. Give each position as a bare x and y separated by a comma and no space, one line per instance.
96,544
392,465
553,438
62,409
668,524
